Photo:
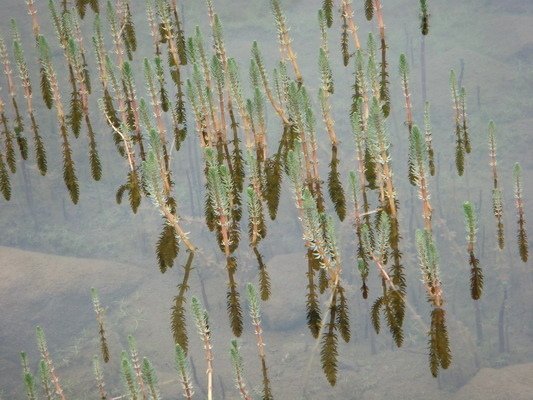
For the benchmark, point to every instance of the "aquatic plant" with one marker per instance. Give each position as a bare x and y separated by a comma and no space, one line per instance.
121,127
76,56
438,342
313,312
150,379
379,144
358,181
147,118
519,202
178,324
46,382
327,86
321,242
81,6
372,66
202,325
256,224
171,32
156,179
255,314
8,140
327,9
362,263
335,188
136,366
317,237
238,370
378,149
46,90
99,377
22,66
336,191
27,377
22,142
424,17
257,57
376,249
460,124
10,162
329,352
101,63
369,10
284,39
439,351
130,383
429,139
128,28
219,195
5,184
184,374
476,273
256,108
139,375
69,171
418,161
238,97
497,195
304,129
123,90
404,75
228,87
62,22
132,106
466,132
349,27
48,363
100,311
344,41
384,94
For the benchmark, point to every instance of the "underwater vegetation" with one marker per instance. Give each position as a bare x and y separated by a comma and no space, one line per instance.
476,274
189,75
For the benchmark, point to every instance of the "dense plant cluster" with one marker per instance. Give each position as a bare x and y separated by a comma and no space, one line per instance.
242,168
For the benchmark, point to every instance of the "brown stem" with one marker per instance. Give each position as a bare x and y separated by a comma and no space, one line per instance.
127,145
427,210
32,11
379,17
328,120
408,105
53,375
348,13
174,221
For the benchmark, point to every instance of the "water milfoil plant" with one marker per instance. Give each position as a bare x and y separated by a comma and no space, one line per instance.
438,341
144,101
255,315
459,132
24,75
69,171
424,17
523,246
476,273
497,195
100,312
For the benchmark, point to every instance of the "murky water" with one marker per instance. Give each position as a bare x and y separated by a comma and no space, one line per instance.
54,252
